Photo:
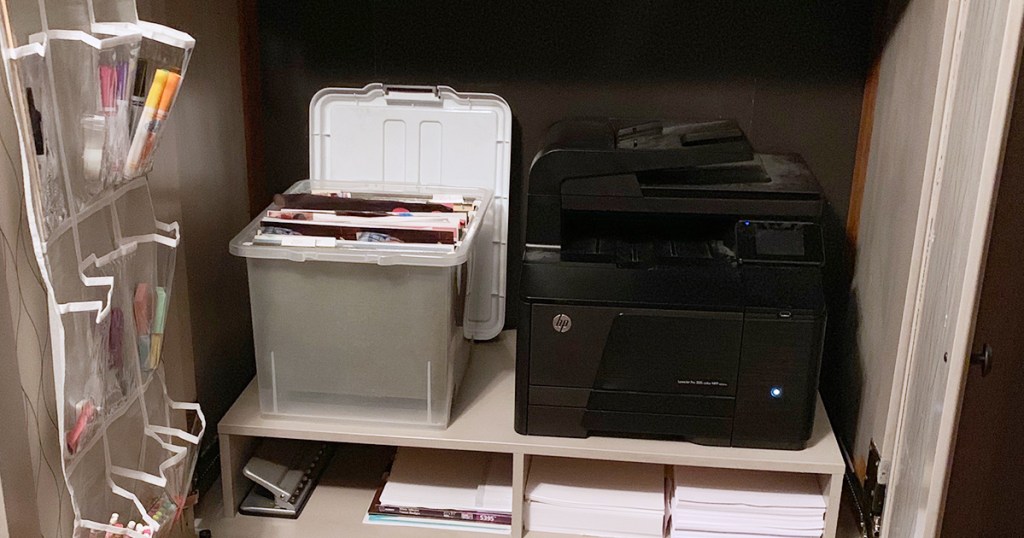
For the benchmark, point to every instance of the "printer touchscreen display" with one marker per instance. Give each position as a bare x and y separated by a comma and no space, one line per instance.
779,242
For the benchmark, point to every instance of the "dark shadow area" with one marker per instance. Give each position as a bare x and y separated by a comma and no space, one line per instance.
842,375
790,72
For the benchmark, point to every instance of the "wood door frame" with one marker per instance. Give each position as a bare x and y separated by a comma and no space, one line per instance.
969,292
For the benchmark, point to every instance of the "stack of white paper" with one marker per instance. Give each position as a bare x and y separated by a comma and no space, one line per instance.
453,481
596,498
467,491
724,503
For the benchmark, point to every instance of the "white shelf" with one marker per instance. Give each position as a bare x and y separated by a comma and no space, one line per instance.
482,420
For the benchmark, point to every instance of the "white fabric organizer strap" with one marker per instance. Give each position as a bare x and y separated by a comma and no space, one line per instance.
148,30
102,308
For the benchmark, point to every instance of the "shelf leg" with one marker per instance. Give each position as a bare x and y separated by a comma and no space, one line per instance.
835,493
235,451
520,467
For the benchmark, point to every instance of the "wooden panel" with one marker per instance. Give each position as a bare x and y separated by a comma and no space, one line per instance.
911,90
974,127
860,165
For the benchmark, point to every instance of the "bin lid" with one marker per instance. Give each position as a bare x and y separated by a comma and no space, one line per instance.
426,136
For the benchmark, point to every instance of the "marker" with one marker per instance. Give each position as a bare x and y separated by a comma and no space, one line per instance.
146,120
166,101
113,523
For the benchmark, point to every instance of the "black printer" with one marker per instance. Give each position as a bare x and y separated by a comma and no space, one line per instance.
671,287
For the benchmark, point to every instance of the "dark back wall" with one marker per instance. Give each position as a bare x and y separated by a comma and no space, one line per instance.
790,71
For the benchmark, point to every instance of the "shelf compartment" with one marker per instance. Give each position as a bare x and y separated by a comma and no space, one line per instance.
339,503
595,498
482,420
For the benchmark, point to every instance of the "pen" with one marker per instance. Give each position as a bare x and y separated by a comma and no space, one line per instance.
122,81
138,100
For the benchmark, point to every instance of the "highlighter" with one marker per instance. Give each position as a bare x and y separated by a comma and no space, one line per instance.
145,121
85,410
159,322
163,109
143,315
108,89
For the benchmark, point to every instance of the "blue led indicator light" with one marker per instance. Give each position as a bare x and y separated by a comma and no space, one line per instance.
776,392
746,223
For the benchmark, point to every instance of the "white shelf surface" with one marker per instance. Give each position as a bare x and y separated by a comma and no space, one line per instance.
482,420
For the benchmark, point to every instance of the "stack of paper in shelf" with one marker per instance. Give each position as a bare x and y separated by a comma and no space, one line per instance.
332,219
467,491
596,498
725,503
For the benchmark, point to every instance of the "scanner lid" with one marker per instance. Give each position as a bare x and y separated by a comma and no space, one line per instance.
425,136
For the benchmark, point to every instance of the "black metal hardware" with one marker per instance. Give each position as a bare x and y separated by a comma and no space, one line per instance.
983,359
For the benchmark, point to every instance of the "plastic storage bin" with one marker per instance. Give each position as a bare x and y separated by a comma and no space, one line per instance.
362,331
377,331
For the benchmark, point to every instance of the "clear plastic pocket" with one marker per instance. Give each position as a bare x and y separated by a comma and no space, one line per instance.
140,469
47,193
113,329
163,60
91,89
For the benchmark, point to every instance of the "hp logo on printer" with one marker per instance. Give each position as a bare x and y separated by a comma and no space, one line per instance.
562,323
